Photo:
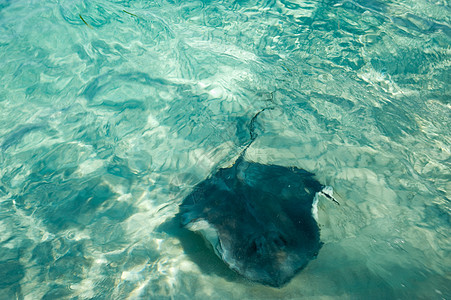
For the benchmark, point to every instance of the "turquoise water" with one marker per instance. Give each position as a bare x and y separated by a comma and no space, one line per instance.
111,111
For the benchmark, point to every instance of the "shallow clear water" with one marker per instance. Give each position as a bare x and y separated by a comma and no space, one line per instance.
107,125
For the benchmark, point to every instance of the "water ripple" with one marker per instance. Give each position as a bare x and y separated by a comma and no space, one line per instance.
113,110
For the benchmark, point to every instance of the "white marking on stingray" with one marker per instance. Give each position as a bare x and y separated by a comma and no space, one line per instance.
315,207
207,231
328,192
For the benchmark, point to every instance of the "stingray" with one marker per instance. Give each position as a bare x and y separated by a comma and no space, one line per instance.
259,219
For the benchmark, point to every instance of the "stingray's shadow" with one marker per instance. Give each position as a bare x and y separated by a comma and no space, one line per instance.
200,252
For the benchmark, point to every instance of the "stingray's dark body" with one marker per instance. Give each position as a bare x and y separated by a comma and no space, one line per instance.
258,219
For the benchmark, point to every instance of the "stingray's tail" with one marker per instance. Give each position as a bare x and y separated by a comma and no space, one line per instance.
252,132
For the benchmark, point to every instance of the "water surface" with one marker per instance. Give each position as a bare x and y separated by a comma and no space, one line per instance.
111,111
